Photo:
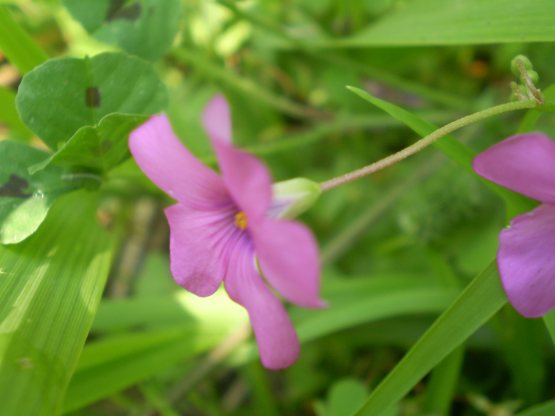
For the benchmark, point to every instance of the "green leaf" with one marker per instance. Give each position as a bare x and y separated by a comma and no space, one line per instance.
59,97
17,45
442,384
142,27
50,286
455,150
451,22
185,326
357,301
481,299
365,300
523,346
543,409
99,147
345,397
116,363
549,322
25,199
9,115
157,311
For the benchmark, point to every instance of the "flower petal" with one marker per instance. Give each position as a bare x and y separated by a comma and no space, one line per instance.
526,261
288,257
246,178
199,246
216,119
523,163
276,338
164,159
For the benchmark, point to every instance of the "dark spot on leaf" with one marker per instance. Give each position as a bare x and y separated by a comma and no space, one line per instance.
104,147
15,187
25,363
119,10
92,97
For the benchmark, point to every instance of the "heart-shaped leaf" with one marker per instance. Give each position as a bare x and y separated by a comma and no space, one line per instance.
24,198
99,147
62,95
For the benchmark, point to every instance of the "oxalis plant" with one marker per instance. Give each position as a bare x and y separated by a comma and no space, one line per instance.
155,261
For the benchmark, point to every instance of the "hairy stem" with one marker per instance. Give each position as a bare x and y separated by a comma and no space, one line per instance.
425,142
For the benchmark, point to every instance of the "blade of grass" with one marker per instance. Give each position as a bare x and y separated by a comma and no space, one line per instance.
342,124
262,396
17,45
371,300
523,347
178,327
50,286
443,383
543,409
481,299
117,362
471,22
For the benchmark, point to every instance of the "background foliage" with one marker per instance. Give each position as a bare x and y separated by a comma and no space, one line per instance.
417,322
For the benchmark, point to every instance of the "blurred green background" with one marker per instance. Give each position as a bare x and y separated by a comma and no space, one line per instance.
397,247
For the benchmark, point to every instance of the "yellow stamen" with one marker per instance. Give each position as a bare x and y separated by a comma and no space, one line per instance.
241,220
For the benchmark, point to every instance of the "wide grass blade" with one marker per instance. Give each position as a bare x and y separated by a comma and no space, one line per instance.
50,286
468,22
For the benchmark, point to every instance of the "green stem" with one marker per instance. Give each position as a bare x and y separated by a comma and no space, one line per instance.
426,141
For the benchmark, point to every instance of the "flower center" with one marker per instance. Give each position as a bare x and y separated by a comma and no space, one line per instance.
241,220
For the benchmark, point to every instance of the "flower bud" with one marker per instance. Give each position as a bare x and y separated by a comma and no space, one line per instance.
525,63
293,197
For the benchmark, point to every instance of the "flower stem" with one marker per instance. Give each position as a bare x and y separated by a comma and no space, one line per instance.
426,141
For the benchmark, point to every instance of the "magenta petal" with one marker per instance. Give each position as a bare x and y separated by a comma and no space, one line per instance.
276,338
246,178
164,159
526,261
288,256
523,163
216,119
199,247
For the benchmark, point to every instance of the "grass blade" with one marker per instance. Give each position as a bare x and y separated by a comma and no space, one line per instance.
543,409
482,298
50,286
178,327
469,22
17,45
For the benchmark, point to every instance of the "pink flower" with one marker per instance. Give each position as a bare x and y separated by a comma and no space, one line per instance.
526,255
220,230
